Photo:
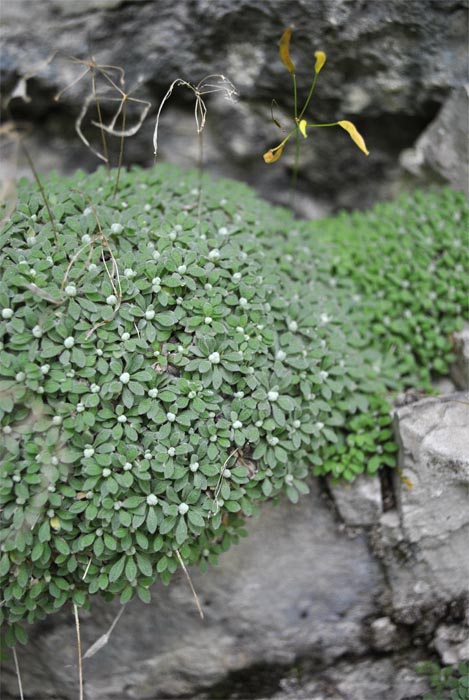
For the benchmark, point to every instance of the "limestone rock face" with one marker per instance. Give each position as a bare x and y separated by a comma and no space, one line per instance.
437,155
426,538
359,503
390,68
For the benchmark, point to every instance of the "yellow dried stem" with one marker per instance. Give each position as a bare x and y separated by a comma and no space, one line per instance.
320,57
285,50
354,135
273,155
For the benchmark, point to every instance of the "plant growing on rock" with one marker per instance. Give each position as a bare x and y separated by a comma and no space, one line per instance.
160,379
449,683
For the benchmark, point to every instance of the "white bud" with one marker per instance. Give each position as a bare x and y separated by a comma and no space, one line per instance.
122,419
272,395
171,417
88,452
149,314
125,378
152,500
69,342
7,313
117,228
214,358
183,508
111,300
37,332
106,472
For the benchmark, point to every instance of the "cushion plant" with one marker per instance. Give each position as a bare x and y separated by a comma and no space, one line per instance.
164,370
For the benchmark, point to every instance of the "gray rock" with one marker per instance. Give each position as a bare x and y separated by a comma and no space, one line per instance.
390,68
438,154
460,369
361,679
424,542
452,644
384,634
358,503
294,587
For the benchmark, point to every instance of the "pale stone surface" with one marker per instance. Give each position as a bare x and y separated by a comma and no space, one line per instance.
441,152
452,644
384,634
424,542
359,503
460,369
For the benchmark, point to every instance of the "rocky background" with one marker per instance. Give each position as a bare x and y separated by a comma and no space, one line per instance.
398,69
339,597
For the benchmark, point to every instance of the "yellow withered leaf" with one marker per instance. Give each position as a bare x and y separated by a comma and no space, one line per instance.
354,135
302,127
285,50
273,155
320,60
55,523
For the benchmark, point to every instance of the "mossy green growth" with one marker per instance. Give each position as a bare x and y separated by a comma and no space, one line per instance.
407,262
448,683
161,376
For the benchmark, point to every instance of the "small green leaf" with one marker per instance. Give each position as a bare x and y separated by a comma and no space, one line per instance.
130,569
116,570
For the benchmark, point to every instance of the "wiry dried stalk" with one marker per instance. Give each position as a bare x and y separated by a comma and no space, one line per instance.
18,675
196,597
97,97
80,660
209,84
104,639
220,478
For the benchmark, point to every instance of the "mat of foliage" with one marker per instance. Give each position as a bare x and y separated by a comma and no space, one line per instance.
162,374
